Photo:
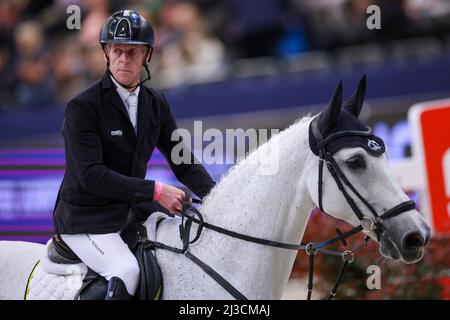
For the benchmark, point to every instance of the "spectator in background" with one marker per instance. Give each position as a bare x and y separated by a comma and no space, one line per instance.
7,79
326,22
189,53
355,29
395,23
255,27
54,18
432,17
10,12
294,39
67,68
196,37
97,11
9,18
34,89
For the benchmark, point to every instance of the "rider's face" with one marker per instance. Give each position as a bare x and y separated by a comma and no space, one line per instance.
126,61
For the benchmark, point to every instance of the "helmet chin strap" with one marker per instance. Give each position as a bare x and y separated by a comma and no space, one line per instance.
145,65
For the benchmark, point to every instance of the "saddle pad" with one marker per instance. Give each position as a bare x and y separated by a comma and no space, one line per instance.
52,281
47,286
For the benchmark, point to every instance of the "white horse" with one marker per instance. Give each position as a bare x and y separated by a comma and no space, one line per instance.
271,206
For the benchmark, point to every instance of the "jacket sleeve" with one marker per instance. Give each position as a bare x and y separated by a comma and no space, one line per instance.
84,153
191,174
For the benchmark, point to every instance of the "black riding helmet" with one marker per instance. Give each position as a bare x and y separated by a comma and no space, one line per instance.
127,27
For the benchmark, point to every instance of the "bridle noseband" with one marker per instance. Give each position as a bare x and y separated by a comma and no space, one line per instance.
368,224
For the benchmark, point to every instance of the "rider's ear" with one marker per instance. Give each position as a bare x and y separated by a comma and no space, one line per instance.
148,55
328,117
355,103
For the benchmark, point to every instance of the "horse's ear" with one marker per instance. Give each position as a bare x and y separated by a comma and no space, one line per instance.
328,117
355,103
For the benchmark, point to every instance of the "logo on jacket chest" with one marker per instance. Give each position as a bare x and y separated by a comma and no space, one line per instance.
116,133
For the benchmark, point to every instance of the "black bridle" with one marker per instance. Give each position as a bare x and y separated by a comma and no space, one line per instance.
368,224
190,214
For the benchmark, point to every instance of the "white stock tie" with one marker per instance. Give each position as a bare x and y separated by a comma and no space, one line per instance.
132,101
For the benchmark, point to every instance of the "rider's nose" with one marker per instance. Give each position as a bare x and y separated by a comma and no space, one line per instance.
413,240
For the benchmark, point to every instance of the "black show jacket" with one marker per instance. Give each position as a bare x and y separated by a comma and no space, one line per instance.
106,162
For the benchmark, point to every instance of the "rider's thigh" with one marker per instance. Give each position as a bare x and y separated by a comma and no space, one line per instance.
107,255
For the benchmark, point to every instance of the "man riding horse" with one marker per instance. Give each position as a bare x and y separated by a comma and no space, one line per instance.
110,131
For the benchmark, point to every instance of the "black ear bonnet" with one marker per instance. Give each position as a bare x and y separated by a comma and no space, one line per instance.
338,127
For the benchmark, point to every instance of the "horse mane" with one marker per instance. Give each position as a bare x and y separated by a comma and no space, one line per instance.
241,162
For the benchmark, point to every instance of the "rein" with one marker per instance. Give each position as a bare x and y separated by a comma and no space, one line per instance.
311,249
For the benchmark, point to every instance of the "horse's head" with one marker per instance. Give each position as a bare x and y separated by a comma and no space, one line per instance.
352,180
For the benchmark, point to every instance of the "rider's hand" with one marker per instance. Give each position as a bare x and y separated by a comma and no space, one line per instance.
170,198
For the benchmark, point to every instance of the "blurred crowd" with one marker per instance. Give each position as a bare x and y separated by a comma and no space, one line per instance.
43,63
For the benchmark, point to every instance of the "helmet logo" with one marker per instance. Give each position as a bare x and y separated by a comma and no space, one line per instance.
123,29
372,144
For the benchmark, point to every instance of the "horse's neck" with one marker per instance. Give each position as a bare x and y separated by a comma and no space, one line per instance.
273,206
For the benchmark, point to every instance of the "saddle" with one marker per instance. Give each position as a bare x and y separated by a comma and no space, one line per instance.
94,286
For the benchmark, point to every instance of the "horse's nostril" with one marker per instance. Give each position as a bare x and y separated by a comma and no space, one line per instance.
413,240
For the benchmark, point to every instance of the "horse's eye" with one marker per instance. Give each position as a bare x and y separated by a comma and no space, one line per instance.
356,162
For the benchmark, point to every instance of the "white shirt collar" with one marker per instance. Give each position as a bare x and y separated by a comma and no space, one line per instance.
123,92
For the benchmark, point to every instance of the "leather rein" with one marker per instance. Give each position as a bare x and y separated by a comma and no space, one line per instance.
190,214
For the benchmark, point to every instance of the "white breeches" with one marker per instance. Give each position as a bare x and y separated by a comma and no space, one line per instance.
107,255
